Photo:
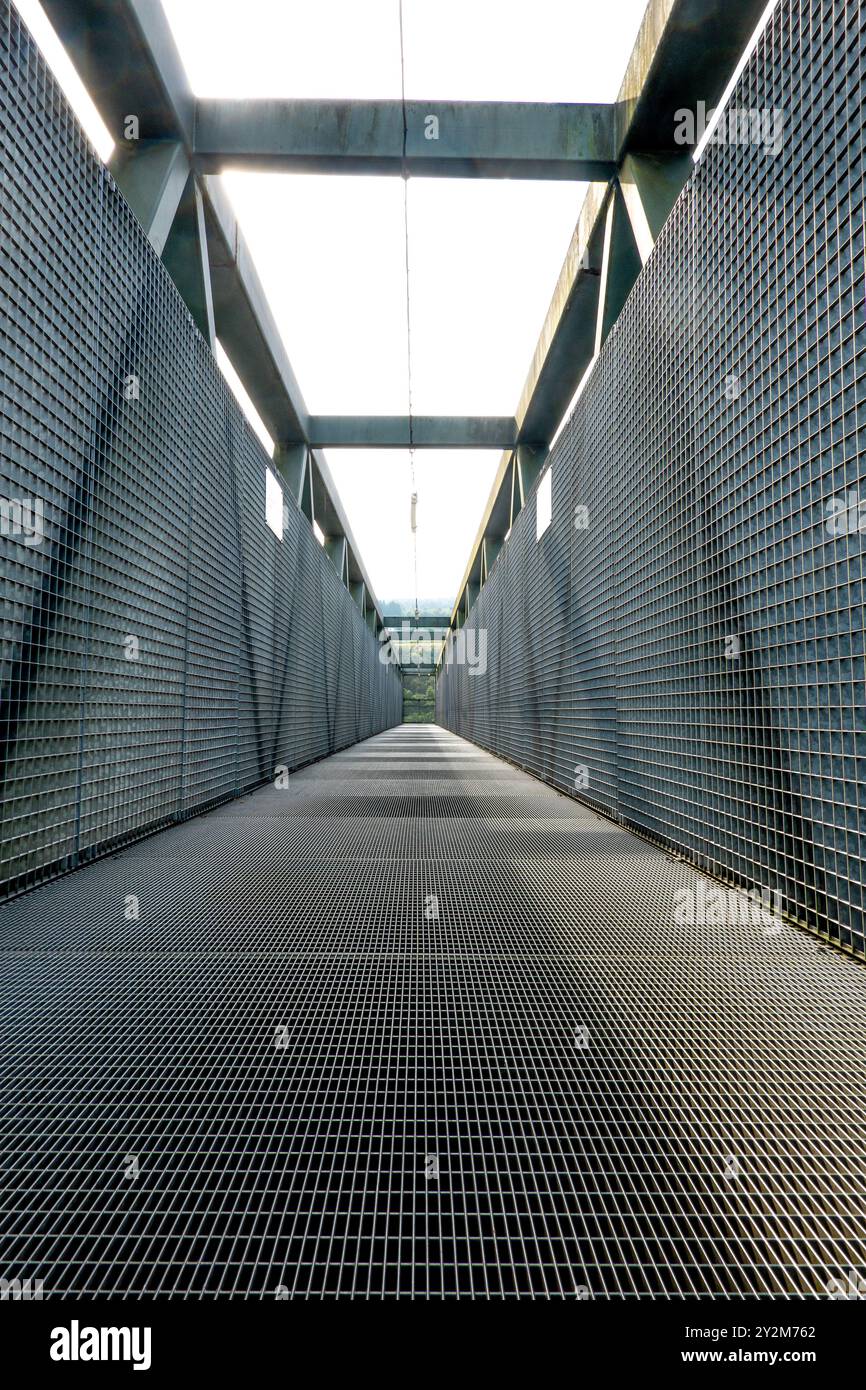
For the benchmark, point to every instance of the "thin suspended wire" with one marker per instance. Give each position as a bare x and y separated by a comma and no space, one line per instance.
405,173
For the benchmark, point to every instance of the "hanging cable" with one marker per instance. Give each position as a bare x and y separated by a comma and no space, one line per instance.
405,174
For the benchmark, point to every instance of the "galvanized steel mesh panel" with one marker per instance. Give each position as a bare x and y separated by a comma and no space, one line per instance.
116,420
721,428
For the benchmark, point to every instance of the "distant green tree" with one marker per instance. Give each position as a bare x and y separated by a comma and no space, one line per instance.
419,697
406,606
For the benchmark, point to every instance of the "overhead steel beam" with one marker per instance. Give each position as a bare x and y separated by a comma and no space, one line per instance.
247,331
332,520
567,341
685,53
245,325
450,139
431,622
125,54
426,432
127,60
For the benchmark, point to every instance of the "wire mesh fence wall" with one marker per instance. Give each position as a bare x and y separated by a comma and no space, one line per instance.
163,650
687,654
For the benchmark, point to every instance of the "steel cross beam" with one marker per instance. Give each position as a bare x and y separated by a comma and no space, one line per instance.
429,622
427,432
451,139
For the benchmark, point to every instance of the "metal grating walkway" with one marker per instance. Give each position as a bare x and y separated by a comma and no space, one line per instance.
418,1025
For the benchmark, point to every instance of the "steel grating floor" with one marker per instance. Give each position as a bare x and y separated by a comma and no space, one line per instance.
418,1025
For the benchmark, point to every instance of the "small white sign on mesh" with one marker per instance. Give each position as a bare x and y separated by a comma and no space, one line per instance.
273,504
543,504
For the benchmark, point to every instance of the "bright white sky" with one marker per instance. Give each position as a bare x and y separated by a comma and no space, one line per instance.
484,254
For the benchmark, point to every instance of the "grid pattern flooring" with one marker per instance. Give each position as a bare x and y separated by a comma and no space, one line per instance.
418,1025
